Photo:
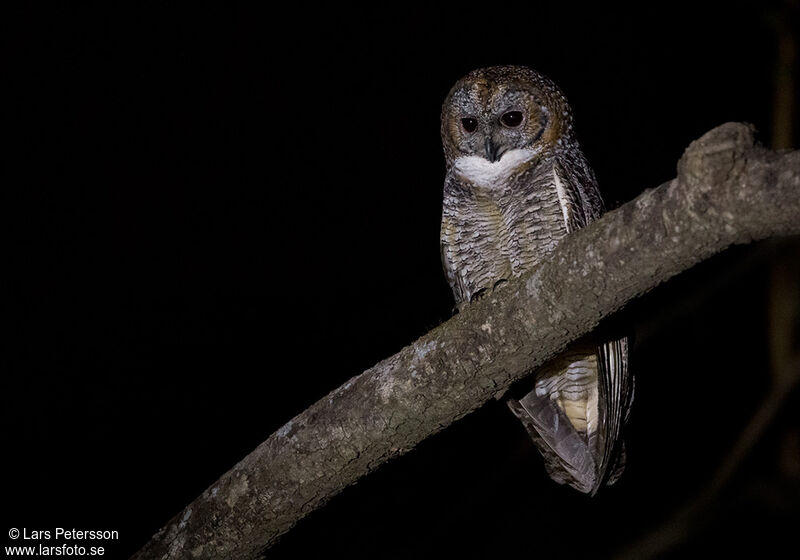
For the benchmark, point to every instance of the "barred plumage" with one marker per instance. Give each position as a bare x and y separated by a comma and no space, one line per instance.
517,182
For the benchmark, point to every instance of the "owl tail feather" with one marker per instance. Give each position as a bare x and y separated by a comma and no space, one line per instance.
568,458
584,459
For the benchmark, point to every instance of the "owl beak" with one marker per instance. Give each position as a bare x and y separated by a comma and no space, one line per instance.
491,150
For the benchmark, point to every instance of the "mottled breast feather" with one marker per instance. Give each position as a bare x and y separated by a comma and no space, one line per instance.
500,218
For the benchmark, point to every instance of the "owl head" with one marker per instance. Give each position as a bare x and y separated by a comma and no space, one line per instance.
494,110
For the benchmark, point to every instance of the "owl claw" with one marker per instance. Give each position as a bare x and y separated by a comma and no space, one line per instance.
480,294
483,292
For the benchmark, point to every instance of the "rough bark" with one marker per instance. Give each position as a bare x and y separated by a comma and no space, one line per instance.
728,191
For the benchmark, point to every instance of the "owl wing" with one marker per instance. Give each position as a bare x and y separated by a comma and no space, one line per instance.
616,390
577,189
581,399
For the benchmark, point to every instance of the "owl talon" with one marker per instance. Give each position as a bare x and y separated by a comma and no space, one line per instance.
480,294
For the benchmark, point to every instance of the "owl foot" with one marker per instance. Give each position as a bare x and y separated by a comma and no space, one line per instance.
499,284
479,295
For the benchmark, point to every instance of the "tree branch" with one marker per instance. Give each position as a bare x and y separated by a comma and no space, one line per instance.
728,191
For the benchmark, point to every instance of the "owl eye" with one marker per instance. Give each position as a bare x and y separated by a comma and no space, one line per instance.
469,124
511,119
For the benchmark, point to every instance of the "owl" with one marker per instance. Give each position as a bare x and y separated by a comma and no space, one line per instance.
516,184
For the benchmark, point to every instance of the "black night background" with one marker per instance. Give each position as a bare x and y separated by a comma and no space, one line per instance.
219,214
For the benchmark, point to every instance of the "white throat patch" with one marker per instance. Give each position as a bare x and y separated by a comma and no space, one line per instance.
483,173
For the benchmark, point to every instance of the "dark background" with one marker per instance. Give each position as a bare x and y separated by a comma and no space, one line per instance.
217,215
